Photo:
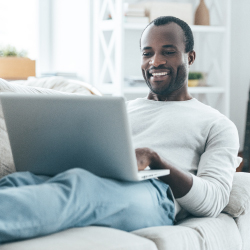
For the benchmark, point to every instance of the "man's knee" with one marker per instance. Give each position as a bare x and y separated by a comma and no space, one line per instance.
77,172
75,176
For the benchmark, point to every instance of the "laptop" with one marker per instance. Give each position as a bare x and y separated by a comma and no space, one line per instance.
50,134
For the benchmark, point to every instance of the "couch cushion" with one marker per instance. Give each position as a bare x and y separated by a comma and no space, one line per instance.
60,84
219,233
21,89
239,200
196,233
243,223
239,206
173,237
6,159
88,238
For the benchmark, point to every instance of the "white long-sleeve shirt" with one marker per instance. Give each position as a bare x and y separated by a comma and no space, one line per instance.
196,138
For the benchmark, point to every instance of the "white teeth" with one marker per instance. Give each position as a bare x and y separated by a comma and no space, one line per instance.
159,74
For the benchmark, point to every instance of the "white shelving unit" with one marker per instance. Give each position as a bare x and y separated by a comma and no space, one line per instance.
114,56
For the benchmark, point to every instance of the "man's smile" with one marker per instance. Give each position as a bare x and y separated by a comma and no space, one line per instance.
158,75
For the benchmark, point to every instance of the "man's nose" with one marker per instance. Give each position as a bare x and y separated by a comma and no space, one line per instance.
157,60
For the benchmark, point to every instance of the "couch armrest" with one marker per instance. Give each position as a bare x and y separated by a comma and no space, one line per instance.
87,238
239,206
239,200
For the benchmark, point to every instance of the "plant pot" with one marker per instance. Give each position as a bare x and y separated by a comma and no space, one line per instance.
13,68
193,83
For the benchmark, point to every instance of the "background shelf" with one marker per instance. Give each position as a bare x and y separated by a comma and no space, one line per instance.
108,25
116,53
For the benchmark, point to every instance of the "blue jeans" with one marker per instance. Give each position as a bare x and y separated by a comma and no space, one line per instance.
33,205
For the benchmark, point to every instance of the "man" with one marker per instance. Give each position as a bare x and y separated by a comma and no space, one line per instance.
189,137
170,129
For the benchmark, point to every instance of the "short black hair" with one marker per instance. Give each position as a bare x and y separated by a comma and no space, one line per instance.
188,34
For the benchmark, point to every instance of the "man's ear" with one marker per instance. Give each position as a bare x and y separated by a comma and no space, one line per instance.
191,57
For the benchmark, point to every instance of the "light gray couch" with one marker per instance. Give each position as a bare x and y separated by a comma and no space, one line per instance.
229,231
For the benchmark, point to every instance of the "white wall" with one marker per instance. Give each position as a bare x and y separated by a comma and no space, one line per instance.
19,25
70,37
45,37
240,64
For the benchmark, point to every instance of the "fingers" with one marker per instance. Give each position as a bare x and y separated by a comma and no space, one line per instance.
143,156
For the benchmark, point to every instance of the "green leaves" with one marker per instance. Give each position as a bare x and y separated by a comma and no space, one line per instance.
12,51
195,76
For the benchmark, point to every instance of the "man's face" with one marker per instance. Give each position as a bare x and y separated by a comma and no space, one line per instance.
164,61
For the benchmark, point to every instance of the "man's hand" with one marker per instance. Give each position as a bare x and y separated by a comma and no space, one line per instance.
179,180
147,157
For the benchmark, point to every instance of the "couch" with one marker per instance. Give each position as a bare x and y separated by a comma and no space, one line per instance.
229,231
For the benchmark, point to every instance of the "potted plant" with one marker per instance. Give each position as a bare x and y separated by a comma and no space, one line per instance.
194,78
15,65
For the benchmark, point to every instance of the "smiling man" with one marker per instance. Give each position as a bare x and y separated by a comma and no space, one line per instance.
171,130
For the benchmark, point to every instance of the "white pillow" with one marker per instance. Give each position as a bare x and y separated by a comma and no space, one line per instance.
239,200
59,84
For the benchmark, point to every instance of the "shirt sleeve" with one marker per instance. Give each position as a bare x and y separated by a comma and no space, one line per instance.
212,184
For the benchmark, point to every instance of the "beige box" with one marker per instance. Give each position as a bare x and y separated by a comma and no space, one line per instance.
184,11
14,68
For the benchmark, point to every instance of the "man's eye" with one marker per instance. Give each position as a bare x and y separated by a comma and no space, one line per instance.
169,52
145,54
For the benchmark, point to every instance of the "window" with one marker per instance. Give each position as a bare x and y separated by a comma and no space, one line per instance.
19,25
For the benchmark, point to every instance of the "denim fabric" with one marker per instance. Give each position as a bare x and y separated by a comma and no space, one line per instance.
33,205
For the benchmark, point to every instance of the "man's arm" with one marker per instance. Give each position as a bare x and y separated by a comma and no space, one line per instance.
179,181
208,192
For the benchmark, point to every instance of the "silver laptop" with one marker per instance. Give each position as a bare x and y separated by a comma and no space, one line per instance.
52,133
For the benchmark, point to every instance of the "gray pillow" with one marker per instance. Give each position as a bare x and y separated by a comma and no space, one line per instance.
239,200
60,84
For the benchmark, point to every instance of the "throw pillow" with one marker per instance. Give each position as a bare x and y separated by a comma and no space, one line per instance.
60,84
239,200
